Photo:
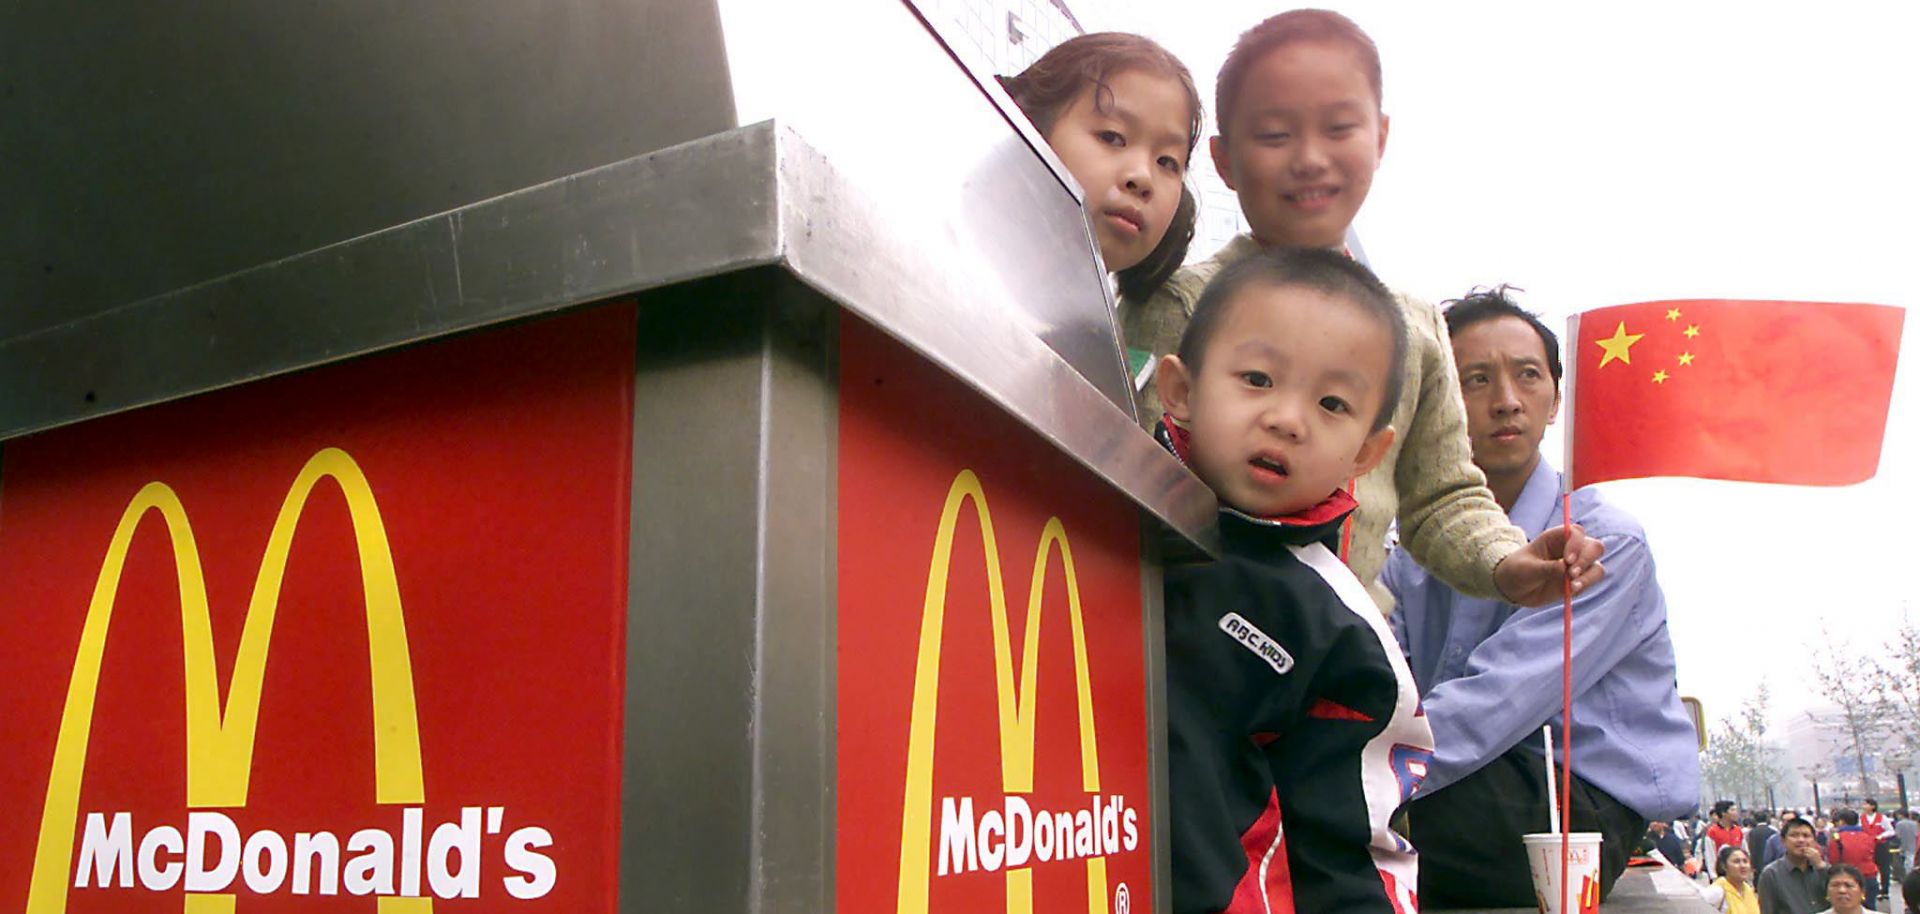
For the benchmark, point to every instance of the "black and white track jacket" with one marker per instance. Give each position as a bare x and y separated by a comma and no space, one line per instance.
1295,727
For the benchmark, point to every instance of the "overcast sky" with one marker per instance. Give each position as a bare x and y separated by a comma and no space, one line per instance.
1637,151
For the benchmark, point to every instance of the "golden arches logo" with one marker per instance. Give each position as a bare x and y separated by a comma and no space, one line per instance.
1015,705
220,740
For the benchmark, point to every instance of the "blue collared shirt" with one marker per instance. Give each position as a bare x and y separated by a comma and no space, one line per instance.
1489,672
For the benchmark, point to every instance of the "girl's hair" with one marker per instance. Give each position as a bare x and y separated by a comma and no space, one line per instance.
1287,28
1045,90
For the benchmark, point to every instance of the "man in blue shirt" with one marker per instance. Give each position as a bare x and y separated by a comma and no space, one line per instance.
1489,672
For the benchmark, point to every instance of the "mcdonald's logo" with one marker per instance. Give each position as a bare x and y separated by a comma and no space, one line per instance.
220,744
1018,835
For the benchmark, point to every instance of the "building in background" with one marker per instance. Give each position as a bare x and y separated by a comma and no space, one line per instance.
1816,751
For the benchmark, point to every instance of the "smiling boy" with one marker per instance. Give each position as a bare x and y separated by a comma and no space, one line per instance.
1293,725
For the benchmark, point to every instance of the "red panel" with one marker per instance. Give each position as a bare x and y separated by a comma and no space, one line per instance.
499,465
910,439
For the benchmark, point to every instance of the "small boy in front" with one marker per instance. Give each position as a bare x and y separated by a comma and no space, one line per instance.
1294,724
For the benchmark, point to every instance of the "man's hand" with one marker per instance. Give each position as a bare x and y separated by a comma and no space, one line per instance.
1535,574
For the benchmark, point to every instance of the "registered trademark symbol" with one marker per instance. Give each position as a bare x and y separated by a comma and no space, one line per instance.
1122,899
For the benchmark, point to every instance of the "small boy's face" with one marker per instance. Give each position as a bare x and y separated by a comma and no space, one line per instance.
1280,410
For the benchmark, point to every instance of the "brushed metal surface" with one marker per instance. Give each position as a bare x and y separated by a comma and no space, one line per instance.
753,196
960,171
696,209
150,147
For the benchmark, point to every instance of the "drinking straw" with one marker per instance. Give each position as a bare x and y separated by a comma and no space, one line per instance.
1553,789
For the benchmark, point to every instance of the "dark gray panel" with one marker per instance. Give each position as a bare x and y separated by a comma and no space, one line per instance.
795,729
687,788
688,211
145,147
728,785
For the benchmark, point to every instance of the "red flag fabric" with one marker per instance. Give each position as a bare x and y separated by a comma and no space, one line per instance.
1758,391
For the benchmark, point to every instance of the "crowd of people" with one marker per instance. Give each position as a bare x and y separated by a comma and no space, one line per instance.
1796,861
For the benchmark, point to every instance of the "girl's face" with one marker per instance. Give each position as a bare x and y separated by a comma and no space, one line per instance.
1305,138
1740,866
1128,150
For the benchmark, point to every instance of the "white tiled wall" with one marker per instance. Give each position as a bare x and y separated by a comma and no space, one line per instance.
1009,34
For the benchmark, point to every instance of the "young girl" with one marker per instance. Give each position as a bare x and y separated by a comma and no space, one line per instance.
1123,115
1733,892
1301,133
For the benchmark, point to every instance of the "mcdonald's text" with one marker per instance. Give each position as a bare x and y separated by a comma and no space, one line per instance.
1018,834
210,856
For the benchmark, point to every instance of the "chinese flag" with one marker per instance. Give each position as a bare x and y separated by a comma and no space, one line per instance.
1758,391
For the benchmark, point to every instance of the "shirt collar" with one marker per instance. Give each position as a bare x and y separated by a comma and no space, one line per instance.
1538,506
1315,523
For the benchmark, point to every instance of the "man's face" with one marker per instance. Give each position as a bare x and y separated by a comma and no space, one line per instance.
1731,816
1800,844
1510,395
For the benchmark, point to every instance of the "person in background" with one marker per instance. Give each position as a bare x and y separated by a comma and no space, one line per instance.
1733,892
1855,847
1490,672
1724,831
1907,831
1776,848
1663,839
1797,882
1910,887
1757,837
1874,823
1846,890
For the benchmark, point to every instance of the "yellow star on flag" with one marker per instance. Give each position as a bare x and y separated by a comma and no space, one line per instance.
1686,358
1618,346
1660,377
1673,314
1692,330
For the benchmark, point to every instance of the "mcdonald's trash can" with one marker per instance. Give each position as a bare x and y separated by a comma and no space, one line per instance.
719,525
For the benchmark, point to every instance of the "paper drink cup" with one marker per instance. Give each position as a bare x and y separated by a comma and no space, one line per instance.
1583,871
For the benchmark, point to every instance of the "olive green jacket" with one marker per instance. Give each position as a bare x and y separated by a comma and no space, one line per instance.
1448,518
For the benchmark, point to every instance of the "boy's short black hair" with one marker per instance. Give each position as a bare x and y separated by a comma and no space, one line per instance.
1328,272
1720,807
1485,304
1846,817
1787,827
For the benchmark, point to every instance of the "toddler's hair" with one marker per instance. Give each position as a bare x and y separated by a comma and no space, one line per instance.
1484,304
1284,29
1045,90
1328,272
